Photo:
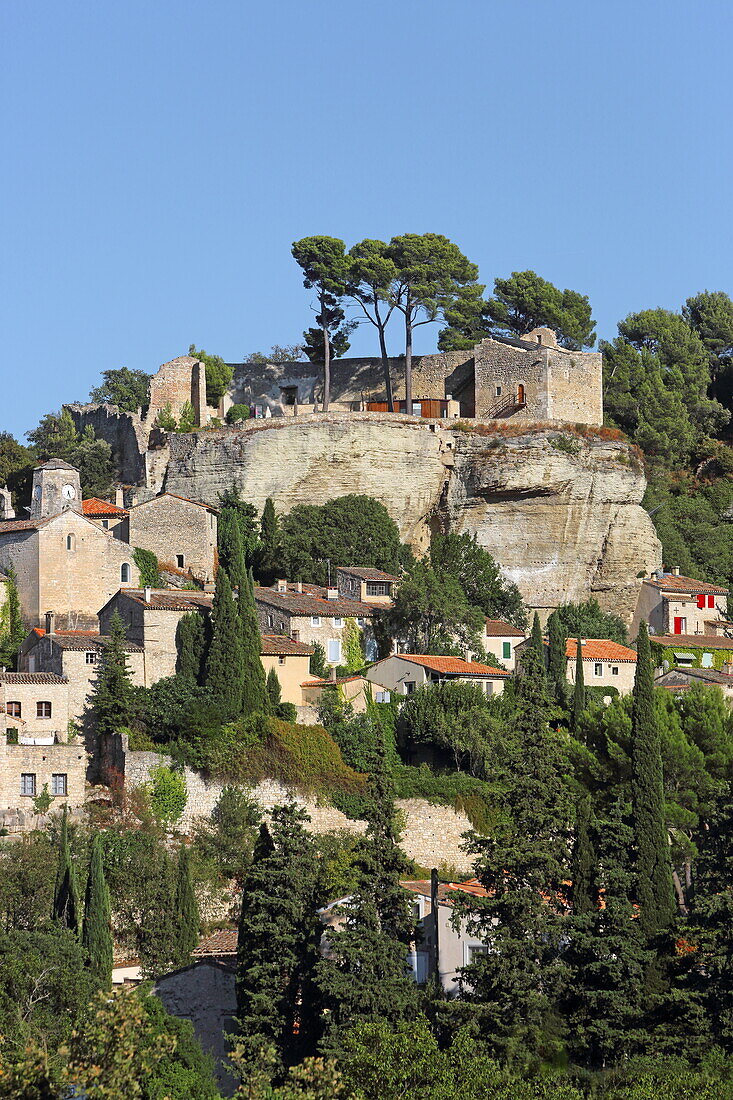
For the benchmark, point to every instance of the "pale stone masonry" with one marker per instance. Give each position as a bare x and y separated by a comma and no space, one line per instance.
672,604
180,532
312,614
25,770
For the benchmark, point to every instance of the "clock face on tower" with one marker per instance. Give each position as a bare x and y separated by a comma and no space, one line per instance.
68,492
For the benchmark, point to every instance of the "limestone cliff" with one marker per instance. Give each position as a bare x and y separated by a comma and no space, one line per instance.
560,513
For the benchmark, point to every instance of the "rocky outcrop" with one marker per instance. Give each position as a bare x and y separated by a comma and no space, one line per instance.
561,513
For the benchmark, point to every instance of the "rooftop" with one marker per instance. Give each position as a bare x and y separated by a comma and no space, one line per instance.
367,574
311,602
454,666
497,628
223,942
31,678
692,641
599,649
277,645
174,496
168,599
679,677
446,890
327,681
687,585
93,506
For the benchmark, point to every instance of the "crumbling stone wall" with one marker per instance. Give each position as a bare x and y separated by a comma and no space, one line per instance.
125,433
180,381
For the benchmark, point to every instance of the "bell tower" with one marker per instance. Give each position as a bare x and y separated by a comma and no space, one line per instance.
56,487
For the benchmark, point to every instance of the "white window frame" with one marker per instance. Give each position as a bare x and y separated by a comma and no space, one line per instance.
334,647
598,668
410,686
338,623
315,621
28,784
60,784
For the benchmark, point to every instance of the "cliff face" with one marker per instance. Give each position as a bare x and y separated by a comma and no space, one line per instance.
561,515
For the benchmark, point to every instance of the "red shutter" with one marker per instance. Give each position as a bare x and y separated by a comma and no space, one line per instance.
677,624
700,601
711,601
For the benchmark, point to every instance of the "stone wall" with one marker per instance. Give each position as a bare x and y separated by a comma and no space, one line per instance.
125,433
177,383
43,761
575,386
432,835
169,526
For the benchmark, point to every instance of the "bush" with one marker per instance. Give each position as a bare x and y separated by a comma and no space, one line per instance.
147,565
237,413
168,795
465,794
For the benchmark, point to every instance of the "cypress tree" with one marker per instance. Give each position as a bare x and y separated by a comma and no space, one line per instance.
713,913
190,645
254,691
186,911
654,888
11,621
96,933
584,884
111,696
66,908
231,552
277,944
224,672
269,543
579,690
556,658
273,690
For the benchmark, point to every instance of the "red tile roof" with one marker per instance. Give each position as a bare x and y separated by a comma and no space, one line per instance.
455,666
367,574
309,603
223,942
599,649
671,582
277,645
692,641
446,890
93,506
31,678
169,599
496,628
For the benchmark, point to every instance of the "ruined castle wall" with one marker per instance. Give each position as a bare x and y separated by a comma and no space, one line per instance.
500,369
575,386
181,381
125,433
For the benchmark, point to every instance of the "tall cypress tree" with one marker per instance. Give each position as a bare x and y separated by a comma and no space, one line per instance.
96,932
278,942
654,888
66,909
224,671
269,543
190,646
713,913
579,690
584,880
111,696
273,690
254,691
364,974
556,658
524,864
231,552
185,911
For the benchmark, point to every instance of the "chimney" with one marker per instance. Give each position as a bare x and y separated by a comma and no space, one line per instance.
298,586
676,570
332,593
147,593
119,498
282,586
50,622
332,672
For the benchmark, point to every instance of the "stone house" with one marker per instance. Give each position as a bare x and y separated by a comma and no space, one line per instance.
74,655
404,673
180,532
695,651
353,690
63,560
150,616
502,639
680,680
367,585
311,614
672,604
606,664
291,662
110,517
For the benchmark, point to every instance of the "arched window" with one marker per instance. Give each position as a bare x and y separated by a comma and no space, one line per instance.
70,542
125,573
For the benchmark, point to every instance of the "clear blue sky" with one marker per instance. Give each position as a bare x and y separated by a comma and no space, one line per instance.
160,156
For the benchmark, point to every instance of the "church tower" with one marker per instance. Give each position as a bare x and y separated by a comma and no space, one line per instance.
56,487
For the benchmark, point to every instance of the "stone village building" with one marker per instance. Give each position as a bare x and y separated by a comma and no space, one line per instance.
404,673
312,614
675,605
606,664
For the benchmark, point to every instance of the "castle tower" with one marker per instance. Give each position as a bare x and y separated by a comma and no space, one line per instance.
6,504
56,486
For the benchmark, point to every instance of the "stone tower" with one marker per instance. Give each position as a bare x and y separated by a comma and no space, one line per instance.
6,504
56,486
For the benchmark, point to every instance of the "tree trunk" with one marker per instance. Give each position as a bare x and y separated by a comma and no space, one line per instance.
408,356
326,359
385,364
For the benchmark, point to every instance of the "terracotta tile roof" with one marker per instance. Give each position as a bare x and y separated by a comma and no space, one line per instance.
93,506
277,645
9,526
367,574
169,599
671,582
677,676
223,942
326,681
31,678
692,641
455,666
304,603
446,890
91,641
599,649
496,628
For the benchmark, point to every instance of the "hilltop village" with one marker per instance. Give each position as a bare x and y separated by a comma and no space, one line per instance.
192,646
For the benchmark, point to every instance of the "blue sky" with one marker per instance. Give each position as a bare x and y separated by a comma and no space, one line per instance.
160,156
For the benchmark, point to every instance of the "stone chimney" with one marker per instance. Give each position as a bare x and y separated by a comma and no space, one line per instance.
676,570
147,593
50,622
332,593
6,504
282,586
298,586
120,498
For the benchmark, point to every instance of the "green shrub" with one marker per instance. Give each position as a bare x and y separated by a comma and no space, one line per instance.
465,794
566,444
237,413
147,565
168,795
42,802
165,420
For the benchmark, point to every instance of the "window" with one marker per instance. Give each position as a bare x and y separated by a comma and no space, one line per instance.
315,620
614,670
125,573
90,657
270,621
13,710
289,395
701,601
498,391
338,623
506,650
474,952
598,669
382,696
179,561
105,524
28,784
361,622
409,687
59,784
334,651
281,659
711,601
488,687
69,542
43,710
377,588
